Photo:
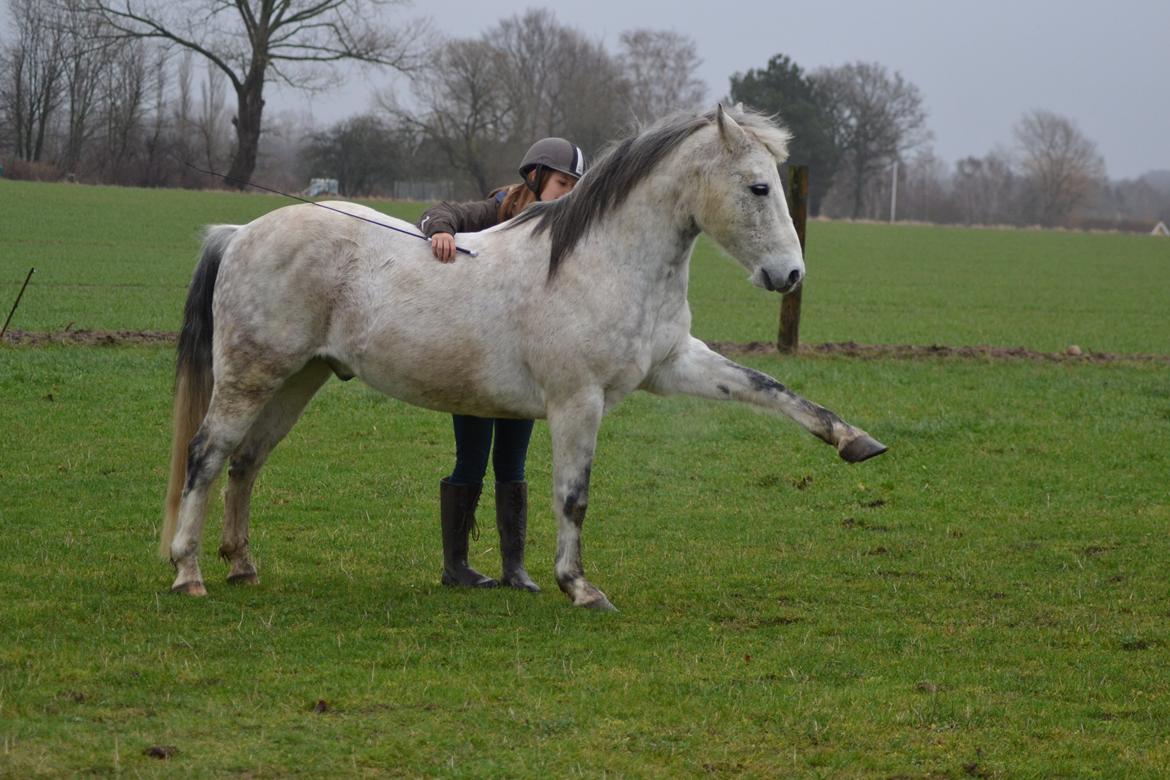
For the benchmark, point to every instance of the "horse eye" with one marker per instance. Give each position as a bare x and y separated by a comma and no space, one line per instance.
759,189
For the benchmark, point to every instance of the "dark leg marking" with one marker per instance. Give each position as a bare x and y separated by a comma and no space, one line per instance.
578,499
241,464
724,389
577,515
760,381
195,456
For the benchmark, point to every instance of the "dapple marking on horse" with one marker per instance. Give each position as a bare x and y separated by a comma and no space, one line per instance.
567,309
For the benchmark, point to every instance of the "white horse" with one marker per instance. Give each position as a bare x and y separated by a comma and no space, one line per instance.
566,310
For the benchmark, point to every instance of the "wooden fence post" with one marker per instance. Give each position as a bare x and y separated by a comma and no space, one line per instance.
788,339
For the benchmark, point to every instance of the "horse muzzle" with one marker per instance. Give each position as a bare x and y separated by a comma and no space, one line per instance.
778,282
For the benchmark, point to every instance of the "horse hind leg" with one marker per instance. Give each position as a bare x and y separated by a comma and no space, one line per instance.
273,424
233,409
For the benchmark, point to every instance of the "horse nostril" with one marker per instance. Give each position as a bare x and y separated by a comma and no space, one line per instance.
768,284
793,278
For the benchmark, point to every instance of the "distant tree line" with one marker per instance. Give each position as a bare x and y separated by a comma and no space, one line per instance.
143,93
150,92
858,127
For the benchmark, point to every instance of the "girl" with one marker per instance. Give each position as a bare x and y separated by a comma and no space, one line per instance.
550,169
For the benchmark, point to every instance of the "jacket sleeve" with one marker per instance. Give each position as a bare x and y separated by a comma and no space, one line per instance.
460,217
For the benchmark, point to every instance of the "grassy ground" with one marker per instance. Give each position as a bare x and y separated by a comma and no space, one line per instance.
987,600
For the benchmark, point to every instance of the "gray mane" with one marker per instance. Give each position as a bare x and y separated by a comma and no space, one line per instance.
606,185
611,179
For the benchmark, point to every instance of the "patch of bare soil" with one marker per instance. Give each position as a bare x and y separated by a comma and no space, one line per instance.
89,338
103,338
913,351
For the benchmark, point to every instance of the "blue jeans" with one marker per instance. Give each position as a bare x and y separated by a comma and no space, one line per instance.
473,445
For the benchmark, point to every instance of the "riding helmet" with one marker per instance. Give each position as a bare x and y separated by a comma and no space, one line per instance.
556,154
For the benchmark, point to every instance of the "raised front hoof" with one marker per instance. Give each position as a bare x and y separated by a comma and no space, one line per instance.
244,578
193,588
862,448
520,581
467,578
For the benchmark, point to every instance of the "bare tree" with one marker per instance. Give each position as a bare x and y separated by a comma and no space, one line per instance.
985,190
86,55
364,153
31,91
877,118
126,83
589,103
484,101
557,82
526,50
209,121
1060,165
286,136
158,137
923,189
256,41
464,108
660,67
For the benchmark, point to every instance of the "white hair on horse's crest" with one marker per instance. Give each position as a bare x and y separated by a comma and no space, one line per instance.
774,136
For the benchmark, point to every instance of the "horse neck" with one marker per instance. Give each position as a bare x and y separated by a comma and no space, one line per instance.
649,237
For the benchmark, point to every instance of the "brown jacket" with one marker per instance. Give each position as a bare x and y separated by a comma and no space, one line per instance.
469,217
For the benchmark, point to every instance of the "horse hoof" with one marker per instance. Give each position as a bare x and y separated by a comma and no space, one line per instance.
244,578
598,601
862,448
601,605
193,588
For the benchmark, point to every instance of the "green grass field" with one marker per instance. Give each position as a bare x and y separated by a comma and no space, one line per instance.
988,599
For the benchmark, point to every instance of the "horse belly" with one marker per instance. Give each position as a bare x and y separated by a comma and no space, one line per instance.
440,336
449,374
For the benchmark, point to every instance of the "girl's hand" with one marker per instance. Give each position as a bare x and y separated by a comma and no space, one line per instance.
443,247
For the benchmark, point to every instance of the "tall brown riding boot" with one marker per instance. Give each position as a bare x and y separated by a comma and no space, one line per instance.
512,523
457,516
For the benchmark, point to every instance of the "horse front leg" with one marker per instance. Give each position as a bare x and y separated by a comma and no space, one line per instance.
573,427
697,370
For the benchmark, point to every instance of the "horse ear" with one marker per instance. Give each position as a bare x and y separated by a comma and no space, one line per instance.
729,130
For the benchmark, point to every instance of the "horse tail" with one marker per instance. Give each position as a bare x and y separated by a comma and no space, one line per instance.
193,375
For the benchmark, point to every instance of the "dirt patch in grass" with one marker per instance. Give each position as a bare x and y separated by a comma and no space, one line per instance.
915,351
89,338
103,338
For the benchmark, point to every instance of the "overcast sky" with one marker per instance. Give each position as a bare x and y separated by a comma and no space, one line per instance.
980,64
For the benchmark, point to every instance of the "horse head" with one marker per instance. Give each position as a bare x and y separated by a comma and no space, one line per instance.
741,203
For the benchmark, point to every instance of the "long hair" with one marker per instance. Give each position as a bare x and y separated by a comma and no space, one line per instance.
193,372
519,196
